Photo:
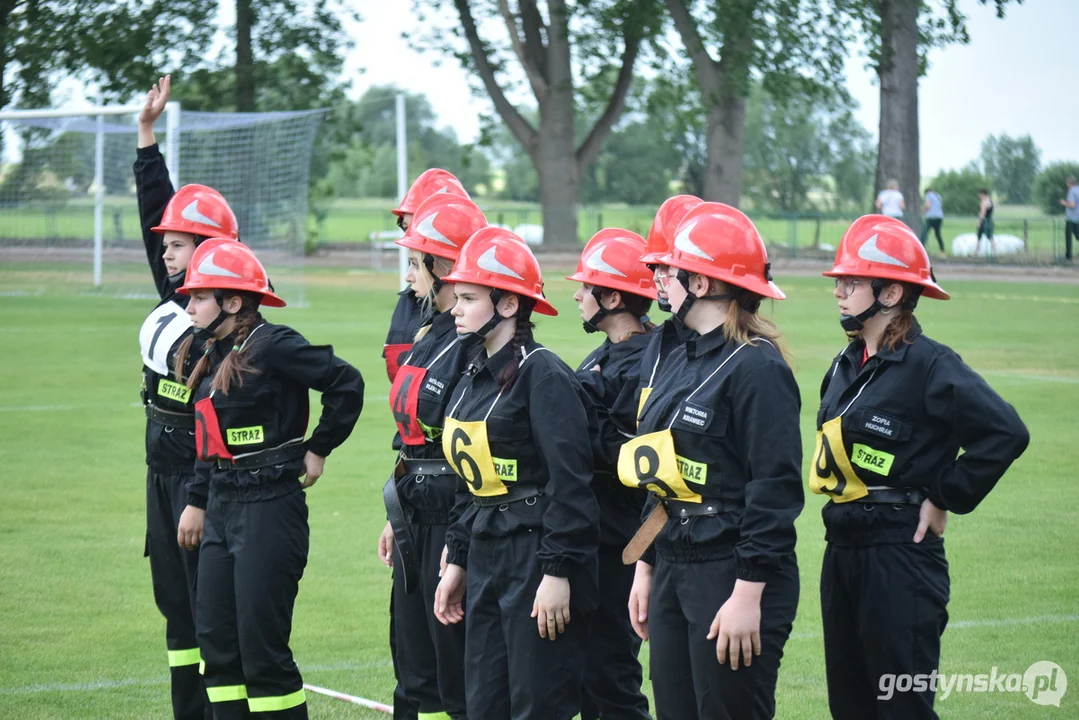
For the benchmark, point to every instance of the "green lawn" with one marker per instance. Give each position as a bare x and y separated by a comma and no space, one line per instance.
350,220
80,636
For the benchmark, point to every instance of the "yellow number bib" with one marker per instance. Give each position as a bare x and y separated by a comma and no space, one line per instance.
469,454
832,473
649,462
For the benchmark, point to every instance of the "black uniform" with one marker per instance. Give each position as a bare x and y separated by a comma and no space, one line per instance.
170,447
735,431
429,656
612,685
544,522
407,318
255,539
904,416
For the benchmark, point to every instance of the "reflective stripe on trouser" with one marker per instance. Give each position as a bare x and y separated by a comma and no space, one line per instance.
253,556
433,716
884,609
539,679
227,693
688,682
613,676
429,657
173,571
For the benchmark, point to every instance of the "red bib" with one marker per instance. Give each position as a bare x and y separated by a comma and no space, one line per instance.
393,354
208,441
404,403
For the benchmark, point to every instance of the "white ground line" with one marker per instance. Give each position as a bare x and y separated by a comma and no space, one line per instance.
815,635
974,624
164,680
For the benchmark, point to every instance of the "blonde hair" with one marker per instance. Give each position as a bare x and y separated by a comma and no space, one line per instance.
441,265
745,326
893,184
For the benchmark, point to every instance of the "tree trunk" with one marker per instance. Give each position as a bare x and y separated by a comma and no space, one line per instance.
556,157
726,144
245,67
897,156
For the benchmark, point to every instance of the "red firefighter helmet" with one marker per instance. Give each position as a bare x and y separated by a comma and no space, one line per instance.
442,224
877,246
669,215
435,181
496,258
199,210
720,242
612,260
220,264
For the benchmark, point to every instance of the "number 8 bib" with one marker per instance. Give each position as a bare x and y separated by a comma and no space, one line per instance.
649,462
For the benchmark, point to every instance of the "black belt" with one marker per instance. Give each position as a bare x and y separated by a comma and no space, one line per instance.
402,533
705,508
427,467
180,420
516,494
895,496
264,458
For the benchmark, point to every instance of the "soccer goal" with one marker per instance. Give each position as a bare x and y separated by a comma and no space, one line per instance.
67,192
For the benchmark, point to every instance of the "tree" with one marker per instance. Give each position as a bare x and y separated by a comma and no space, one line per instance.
958,190
632,167
1050,187
899,35
795,46
1012,164
603,37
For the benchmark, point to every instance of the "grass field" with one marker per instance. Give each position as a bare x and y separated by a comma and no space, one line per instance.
80,636
352,220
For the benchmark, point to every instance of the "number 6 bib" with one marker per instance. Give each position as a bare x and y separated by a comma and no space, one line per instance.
469,454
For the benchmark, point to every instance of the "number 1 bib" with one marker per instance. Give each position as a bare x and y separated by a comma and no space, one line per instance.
159,332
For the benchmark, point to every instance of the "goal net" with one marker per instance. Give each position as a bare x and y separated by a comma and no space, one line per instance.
68,214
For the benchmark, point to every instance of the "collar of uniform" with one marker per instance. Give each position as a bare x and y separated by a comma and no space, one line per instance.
701,345
632,344
854,349
494,363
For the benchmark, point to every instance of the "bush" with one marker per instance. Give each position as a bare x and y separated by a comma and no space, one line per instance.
1050,186
959,191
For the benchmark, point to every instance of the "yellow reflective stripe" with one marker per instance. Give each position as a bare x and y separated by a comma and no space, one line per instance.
180,658
226,693
433,716
280,702
202,667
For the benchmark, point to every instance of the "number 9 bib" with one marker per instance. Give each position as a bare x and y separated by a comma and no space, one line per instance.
649,462
832,473
466,448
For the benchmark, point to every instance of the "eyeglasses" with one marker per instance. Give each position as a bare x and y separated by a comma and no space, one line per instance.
848,284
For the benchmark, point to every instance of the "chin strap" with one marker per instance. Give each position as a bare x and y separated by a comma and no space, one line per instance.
204,334
496,296
687,304
591,325
429,263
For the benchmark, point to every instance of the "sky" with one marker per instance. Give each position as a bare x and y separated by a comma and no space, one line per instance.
1017,76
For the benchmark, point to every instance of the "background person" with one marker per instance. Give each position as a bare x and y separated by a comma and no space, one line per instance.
890,200
933,210
1071,216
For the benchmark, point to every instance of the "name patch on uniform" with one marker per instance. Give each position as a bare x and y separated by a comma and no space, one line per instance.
245,436
882,425
173,391
434,386
505,469
873,460
692,471
696,415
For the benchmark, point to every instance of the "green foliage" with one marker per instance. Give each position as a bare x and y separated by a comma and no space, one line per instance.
632,167
958,190
1050,187
1011,164
794,144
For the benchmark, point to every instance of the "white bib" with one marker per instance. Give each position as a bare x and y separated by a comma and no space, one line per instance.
160,331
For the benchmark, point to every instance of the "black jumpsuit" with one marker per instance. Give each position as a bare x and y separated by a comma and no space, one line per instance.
733,413
544,522
612,684
170,447
904,416
429,656
256,537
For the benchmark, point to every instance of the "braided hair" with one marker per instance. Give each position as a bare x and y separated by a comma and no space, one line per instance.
234,365
521,337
